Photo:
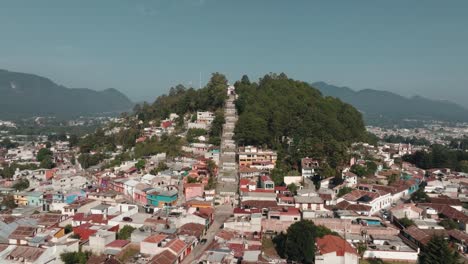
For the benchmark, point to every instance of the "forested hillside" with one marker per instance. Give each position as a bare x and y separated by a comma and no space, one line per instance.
295,119
182,100
27,95
387,108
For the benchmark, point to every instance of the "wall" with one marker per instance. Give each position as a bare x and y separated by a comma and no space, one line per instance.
392,255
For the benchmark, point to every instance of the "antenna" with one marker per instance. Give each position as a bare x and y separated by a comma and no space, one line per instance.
200,81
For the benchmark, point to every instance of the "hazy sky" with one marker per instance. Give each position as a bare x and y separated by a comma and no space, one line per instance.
144,47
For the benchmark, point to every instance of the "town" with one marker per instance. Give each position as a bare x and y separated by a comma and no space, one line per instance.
193,196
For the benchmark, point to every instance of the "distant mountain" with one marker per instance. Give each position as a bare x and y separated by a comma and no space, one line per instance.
26,95
382,105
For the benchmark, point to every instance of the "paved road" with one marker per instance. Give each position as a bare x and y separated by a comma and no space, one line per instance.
222,213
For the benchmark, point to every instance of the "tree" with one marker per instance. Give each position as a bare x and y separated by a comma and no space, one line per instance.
125,232
449,224
406,222
393,178
438,251
298,244
47,163
194,133
420,196
43,153
345,190
140,164
9,202
371,167
292,188
68,229
358,170
21,184
75,257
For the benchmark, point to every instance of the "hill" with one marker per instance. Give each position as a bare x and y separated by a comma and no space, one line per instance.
27,95
383,107
295,119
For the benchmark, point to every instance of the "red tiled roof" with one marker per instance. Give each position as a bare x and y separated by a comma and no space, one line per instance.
155,238
192,229
165,257
344,205
329,244
177,246
119,243
447,211
446,200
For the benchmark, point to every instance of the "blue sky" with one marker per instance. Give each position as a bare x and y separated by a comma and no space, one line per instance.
144,47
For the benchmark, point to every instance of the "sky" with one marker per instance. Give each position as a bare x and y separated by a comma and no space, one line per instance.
143,47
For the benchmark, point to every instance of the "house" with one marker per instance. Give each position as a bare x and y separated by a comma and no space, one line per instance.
129,187
165,257
192,190
309,167
267,183
374,200
251,154
99,240
410,211
309,203
153,244
333,249
391,248
160,198
21,235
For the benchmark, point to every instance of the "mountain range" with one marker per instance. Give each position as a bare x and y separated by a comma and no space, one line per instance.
27,95
383,106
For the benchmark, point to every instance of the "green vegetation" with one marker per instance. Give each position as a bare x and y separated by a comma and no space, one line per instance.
100,142
449,224
9,202
393,178
439,157
45,156
294,119
194,133
298,244
387,108
406,222
420,196
292,188
8,171
125,232
162,166
87,160
21,184
217,128
75,257
438,251
40,96
68,229
407,140
8,144
169,144
182,100
345,190
140,164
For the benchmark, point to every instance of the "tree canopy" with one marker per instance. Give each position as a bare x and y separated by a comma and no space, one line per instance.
438,251
298,244
294,118
182,100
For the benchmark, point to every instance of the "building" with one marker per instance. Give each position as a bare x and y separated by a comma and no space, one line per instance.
161,198
333,249
251,154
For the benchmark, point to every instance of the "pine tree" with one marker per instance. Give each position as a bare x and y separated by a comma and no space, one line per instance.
438,251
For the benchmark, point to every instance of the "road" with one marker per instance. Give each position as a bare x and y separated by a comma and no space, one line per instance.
222,213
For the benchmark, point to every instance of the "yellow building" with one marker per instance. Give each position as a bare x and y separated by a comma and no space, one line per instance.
21,199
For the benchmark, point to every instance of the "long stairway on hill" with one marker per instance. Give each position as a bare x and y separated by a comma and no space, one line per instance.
228,181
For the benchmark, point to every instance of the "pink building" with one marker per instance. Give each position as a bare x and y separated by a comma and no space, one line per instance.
193,190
